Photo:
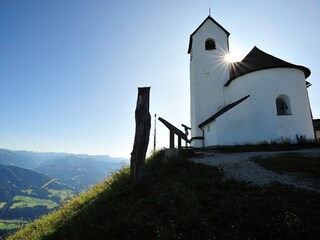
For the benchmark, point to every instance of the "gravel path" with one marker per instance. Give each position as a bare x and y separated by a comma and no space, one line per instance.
238,166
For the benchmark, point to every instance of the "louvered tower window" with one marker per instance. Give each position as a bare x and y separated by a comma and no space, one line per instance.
210,44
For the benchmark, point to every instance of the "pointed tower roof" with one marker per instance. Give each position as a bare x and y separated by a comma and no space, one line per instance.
258,60
209,18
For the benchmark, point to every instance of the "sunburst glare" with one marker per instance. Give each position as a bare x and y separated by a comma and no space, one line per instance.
232,57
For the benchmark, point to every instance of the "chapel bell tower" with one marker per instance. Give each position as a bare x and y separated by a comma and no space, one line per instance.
209,71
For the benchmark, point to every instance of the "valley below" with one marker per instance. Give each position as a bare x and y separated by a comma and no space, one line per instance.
33,184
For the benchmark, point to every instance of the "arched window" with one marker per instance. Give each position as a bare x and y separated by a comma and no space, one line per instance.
210,44
283,105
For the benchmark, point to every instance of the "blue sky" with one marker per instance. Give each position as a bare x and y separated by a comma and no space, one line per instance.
70,69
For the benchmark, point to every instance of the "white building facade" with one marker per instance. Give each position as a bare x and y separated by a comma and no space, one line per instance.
261,98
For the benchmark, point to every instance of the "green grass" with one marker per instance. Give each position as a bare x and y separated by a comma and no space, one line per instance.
293,163
24,202
62,194
280,145
11,224
28,191
182,200
2,204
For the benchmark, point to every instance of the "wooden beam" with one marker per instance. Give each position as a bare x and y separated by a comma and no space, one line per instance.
176,131
179,142
171,139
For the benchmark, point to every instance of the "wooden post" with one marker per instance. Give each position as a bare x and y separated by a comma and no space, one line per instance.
179,142
141,139
171,142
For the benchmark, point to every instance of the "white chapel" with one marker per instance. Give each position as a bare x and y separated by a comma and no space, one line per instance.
261,98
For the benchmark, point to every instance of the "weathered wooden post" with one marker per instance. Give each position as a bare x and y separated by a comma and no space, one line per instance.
171,139
141,139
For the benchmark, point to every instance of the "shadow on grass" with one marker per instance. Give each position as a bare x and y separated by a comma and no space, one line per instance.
185,200
292,163
264,147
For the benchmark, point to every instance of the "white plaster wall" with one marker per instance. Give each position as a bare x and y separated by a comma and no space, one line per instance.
208,73
210,133
256,118
231,127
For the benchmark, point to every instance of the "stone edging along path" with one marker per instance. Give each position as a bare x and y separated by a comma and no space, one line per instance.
238,166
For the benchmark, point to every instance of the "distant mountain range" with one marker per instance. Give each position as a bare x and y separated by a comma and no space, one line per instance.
32,184
79,171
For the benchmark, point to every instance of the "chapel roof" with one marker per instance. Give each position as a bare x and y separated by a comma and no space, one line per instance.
208,18
222,111
258,60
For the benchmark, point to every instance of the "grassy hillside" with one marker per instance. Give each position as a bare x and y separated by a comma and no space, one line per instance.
293,163
182,200
23,196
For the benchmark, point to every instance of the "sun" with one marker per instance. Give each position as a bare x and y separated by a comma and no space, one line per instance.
232,57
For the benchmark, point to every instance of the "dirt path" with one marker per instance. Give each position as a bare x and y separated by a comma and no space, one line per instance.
238,166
